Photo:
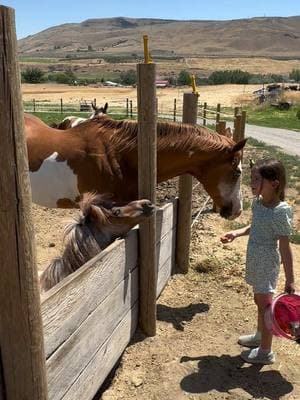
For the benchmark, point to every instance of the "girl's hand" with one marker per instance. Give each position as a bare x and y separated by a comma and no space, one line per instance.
228,237
289,287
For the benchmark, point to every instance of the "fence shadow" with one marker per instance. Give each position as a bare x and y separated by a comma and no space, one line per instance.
225,373
178,316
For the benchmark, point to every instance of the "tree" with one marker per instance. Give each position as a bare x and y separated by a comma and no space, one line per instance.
295,75
32,75
128,77
184,78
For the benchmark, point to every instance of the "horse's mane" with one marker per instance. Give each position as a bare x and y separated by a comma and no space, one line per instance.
124,134
84,238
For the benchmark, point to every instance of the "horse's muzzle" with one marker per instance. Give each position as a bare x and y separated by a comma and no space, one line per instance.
227,212
148,208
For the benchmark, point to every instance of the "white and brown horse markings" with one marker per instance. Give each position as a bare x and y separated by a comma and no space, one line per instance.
99,223
101,155
71,121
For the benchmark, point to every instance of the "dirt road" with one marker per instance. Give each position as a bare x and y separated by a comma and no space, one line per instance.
288,140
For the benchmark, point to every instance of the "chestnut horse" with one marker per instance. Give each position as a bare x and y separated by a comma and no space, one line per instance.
71,121
101,155
98,225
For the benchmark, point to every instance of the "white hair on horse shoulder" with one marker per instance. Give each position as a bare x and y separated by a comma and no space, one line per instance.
62,182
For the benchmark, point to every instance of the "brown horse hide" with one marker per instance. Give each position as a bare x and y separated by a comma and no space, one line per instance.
101,155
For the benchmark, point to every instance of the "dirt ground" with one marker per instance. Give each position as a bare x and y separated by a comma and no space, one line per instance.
200,315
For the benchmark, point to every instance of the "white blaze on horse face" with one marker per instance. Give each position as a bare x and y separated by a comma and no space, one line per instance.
233,194
53,181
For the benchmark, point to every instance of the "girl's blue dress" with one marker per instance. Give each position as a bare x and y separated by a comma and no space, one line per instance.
263,259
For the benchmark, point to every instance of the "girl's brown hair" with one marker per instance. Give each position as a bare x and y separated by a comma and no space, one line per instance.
273,170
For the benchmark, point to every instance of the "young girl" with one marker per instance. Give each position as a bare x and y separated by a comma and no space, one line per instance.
268,237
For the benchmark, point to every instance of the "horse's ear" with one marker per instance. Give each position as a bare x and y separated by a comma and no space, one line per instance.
238,146
105,108
94,106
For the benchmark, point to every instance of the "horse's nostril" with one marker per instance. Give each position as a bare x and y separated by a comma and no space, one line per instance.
226,211
148,208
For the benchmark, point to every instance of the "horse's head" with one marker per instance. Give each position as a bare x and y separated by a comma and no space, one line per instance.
221,179
98,111
118,218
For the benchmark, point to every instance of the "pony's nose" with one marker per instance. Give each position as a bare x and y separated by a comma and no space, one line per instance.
148,208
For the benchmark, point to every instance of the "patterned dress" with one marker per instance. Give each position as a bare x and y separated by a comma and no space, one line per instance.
263,259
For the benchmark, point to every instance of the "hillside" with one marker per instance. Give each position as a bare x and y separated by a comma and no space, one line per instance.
262,37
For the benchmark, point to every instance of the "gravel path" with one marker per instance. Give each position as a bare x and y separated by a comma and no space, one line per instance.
288,140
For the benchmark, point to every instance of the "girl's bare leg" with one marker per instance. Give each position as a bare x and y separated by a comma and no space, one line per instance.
263,300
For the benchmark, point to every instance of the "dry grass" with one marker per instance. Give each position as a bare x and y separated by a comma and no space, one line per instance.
227,95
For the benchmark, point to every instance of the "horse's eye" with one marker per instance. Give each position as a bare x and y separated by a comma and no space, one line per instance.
116,212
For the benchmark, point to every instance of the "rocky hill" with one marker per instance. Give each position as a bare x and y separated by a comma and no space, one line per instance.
268,37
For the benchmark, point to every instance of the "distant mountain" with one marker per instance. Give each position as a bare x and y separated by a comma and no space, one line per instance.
269,37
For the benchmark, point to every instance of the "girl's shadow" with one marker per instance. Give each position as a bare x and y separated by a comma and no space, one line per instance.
224,373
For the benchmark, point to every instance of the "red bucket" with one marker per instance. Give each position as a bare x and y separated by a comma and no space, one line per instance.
283,316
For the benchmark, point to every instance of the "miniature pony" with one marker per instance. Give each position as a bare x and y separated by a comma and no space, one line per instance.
99,223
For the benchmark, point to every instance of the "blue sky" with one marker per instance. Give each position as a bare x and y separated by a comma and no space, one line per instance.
35,16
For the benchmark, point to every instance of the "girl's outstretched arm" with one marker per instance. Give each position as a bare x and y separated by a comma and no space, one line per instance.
287,260
230,236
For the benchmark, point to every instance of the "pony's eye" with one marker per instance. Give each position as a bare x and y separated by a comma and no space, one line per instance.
116,212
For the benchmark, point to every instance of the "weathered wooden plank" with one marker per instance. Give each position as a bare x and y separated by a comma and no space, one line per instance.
23,372
164,275
88,383
167,264
68,362
166,219
70,302
165,248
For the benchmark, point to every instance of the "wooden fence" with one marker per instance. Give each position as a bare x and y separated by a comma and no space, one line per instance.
84,339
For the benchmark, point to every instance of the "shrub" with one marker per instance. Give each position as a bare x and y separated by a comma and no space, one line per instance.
128,77
228,76
32,75
184,78
295,75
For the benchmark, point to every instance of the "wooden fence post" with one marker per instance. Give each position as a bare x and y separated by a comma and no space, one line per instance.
237,128
204,113
22,361
130,108
218,113
147,128
127,108
61,106
243,125
33,101
175,110
190,111
221,126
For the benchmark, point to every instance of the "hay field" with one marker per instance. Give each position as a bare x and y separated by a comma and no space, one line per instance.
227,95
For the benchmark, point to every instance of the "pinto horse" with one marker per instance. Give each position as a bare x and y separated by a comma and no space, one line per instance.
71,121
101,155
98,225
